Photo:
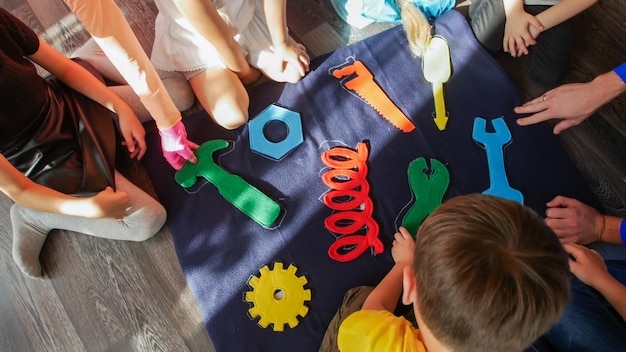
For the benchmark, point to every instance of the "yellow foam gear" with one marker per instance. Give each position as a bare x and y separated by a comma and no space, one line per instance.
278,296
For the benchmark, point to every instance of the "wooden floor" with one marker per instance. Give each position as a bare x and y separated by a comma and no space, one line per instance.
103,295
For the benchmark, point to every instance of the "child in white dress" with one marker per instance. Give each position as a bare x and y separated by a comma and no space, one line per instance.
224,45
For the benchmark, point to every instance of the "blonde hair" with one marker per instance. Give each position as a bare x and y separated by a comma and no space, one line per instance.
416,26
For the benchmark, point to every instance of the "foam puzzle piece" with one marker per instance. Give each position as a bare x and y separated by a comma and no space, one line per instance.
361,81
245,197
347,178
428,188
278,296
275,150
494,143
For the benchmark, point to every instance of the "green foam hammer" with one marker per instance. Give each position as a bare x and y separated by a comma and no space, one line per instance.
245,197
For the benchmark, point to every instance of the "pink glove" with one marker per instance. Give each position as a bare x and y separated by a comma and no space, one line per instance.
176,147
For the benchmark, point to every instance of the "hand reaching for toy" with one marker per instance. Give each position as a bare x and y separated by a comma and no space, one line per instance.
403,247
518,35
176,147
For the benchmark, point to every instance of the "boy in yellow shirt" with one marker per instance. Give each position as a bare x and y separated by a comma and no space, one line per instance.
484,274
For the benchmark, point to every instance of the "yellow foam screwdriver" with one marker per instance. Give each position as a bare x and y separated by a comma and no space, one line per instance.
437,70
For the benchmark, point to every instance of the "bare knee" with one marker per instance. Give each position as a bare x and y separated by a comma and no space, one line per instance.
222,95
229,115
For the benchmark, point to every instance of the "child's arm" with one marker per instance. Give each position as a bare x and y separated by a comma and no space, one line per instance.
517,29
562,11
276,16
81,80
106,204
589,267
285,47
207,21
386,294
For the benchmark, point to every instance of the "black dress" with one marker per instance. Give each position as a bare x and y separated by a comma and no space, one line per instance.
51,133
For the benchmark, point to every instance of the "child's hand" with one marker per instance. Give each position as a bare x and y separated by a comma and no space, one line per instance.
132,131
177,149
294,54
588,265
518,35
403,247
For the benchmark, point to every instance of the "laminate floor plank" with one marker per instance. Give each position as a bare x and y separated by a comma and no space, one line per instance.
322,39
33,317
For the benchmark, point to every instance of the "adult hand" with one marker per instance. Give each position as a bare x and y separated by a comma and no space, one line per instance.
403,248
573,103
588,265
176,147
132,131
109,204
574,221
517,33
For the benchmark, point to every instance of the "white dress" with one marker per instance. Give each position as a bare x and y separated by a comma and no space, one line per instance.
179,47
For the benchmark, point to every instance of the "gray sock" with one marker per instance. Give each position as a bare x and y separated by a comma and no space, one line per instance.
27,243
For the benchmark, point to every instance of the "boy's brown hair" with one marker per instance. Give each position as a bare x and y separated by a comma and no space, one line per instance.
490,275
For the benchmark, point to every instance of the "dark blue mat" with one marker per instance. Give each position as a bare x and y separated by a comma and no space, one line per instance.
219,248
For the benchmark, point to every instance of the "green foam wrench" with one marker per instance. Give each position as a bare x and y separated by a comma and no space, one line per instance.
429,190
233,188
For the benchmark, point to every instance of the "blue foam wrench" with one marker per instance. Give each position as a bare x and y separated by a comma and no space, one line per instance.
494,146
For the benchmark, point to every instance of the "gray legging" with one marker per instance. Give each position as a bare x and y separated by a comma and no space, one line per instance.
144,217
